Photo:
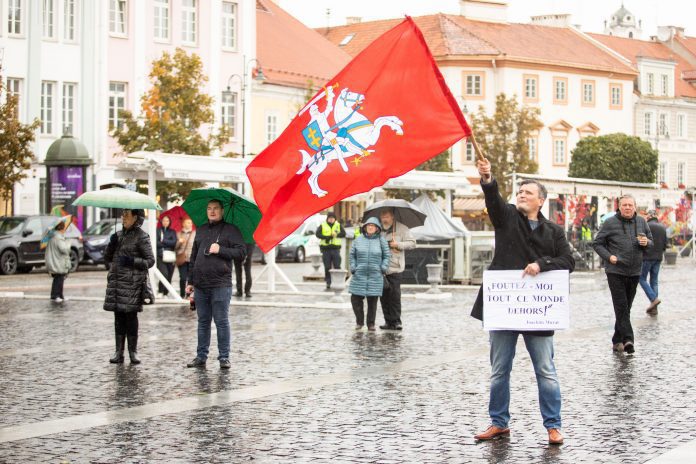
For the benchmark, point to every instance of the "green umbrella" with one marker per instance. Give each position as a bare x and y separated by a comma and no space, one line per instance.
238,210
116,197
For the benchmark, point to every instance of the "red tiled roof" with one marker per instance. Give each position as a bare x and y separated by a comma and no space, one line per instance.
688,42
454,35
632,49
292,54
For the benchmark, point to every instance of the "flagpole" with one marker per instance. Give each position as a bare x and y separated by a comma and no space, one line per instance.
477,149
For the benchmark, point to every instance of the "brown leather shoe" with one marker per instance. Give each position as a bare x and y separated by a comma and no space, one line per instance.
491,433
653,304
555,437
618,347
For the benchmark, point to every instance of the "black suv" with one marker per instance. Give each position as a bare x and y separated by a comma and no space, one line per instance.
20,239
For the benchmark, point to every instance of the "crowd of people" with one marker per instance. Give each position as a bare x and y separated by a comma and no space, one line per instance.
630,245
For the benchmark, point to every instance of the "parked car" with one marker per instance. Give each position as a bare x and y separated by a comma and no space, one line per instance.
297,246
20,239
96,238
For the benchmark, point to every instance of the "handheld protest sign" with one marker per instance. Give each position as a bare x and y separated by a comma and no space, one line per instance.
513,302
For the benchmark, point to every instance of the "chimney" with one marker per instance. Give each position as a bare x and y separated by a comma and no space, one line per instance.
667,33
353,20
484,10
556,20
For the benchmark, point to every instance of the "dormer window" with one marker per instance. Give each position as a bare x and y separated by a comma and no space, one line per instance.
628,18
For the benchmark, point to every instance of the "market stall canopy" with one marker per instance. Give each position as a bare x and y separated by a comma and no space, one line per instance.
438,226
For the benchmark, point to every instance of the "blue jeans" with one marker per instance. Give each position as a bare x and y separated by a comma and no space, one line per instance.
213,304
503,345
652,268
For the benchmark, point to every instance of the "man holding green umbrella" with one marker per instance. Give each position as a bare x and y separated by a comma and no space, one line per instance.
230,218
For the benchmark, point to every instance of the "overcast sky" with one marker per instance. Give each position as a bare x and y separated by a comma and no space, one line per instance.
590,14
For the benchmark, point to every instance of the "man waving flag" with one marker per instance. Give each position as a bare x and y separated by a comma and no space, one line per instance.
385,113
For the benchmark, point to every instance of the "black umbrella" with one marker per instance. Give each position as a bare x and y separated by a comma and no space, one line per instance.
404,212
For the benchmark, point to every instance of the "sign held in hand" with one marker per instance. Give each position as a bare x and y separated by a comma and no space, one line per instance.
513,302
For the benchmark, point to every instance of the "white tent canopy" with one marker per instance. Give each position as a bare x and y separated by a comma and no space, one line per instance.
438,226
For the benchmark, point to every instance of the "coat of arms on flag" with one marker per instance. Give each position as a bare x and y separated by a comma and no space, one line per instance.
350,135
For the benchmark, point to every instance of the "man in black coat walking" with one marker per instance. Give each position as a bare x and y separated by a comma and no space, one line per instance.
652,259
621,242
524,240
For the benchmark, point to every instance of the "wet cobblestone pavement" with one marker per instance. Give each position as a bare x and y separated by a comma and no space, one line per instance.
305,387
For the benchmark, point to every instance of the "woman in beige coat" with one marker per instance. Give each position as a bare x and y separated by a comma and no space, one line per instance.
58,261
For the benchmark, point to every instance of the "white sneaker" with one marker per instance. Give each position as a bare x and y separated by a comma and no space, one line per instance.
57,300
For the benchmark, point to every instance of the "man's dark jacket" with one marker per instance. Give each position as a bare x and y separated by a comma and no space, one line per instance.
517,245
619,237
215,270
659,234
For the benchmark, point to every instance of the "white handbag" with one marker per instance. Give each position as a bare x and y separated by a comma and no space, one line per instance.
168,256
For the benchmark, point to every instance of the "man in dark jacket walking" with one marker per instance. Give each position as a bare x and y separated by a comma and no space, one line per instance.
652,259
524,240
210,279
330,234
621,242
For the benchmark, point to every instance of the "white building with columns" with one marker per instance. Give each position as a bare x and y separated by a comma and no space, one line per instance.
76,63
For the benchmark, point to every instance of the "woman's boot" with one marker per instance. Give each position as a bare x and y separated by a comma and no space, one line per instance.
133,349
120,346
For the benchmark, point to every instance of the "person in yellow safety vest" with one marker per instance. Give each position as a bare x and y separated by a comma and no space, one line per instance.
586,232
330,234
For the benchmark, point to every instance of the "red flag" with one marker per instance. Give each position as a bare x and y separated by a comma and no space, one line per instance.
385,113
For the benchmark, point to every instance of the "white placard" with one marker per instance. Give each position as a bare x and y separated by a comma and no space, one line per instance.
513,302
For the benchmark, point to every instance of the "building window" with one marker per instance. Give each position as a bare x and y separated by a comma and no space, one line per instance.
117,103
69,96
229,112
473,85
532,148
588,93
162,20
229,25
616,100
271,128
647,123
663,124
559,151
681,173
118,17
14,88
560,90
651,84
469,155
69,20
681,126
665,84
48,19
662,173
47,95
531,84
188,22
15,17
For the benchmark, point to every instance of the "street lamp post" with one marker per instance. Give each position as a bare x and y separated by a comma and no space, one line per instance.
243,81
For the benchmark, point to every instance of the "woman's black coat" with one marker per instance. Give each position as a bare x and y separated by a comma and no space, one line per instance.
124,287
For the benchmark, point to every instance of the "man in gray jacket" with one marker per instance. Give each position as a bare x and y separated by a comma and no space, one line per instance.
400,239
621,242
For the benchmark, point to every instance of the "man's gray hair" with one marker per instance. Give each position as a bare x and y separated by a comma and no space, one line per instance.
627,195
543,194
